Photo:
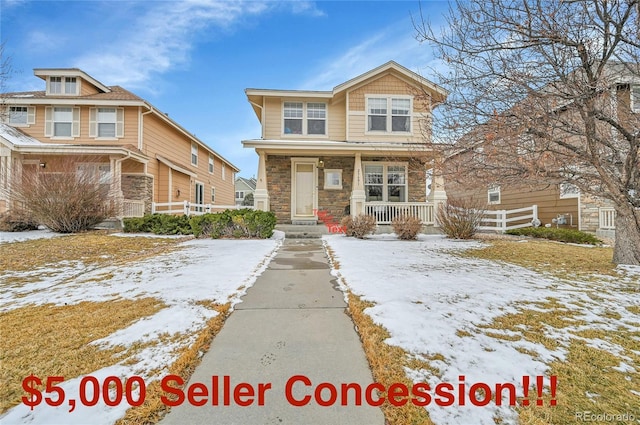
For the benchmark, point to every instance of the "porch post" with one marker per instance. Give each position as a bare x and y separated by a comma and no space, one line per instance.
261,195
437,196
358,195
115,194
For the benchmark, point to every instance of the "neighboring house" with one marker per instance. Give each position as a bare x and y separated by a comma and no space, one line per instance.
244,187
359,148
559,203
138,151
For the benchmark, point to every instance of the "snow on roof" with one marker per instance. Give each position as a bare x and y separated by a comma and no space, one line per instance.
17,137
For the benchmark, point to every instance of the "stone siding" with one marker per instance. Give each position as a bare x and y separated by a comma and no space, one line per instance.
138,188
334,201
279,186
590,212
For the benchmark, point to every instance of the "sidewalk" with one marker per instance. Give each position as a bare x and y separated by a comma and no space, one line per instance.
291,322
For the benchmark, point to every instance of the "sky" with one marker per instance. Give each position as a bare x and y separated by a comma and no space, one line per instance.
194,59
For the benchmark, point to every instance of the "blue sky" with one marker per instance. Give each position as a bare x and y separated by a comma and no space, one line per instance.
194,59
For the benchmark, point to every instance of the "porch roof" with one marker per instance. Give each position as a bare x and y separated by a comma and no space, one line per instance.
21,142
334,147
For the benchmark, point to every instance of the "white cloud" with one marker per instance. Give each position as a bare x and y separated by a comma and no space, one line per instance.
161,39
377,49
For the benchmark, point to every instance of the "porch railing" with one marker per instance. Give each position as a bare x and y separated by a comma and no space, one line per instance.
190,208
385,212
132,208
607,217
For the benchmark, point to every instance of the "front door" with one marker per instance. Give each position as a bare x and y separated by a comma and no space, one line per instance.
303,189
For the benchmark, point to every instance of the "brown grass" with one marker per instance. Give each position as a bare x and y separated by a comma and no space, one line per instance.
152,410
561,260
49,340
94,248
387,363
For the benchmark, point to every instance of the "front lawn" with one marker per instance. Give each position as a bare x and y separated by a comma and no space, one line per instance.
498,312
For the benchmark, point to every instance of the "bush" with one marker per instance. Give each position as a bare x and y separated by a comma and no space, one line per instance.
557,234
244,223
406,227
360,226
63,199
17,221
460,219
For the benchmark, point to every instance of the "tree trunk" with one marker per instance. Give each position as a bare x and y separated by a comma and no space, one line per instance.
627,246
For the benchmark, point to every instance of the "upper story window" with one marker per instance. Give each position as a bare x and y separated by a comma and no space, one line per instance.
305,118
194,154
62,121
635,98
389,114
21,115
106,122
568,190
493,195
211,164
63,85
224,172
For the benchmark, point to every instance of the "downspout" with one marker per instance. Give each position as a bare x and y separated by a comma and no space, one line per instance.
141,126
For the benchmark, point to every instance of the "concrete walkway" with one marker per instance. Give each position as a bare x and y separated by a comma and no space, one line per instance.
291,322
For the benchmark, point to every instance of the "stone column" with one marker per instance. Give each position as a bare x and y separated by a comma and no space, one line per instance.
358,195
261,195
437,196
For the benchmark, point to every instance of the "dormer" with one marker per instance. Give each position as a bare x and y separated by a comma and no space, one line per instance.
70,82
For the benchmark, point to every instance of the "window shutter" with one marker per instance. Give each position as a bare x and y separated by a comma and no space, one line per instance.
93,125
31,115
48,121
75,132
119,122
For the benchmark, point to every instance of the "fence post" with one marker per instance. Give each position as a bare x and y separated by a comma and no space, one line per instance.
503,220
153,208
186,208
535,213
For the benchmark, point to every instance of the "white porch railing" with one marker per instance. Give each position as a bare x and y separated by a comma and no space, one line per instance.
190,208
607,217
385,212
500,220
132,208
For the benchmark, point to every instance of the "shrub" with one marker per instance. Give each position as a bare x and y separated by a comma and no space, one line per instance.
244,223
406,227
17,221
359,226
459,219
64,199
557,234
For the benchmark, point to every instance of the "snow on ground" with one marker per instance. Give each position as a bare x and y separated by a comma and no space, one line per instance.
204,269
7,237
433,302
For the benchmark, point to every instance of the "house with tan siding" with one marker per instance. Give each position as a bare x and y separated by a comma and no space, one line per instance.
137,151
359,148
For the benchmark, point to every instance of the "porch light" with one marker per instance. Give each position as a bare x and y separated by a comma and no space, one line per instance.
43,164
321,164
177,193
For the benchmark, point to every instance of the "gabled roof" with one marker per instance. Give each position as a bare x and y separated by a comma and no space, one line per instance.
69,72
250,183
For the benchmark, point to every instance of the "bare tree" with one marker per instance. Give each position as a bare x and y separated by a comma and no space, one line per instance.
551,91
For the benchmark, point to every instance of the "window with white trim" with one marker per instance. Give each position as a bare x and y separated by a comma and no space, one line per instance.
213,195
389,114
333,179
62,121
635,98
194,153
211,164
568,190
106,123
493,195
21,115
239,194
63,85
224,171
308,118
385,182
94,173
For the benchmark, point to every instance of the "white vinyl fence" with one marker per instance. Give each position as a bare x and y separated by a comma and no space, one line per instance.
503,220
190,208
386,212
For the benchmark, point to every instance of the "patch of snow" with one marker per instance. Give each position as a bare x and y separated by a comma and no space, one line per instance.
8,237
434,302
